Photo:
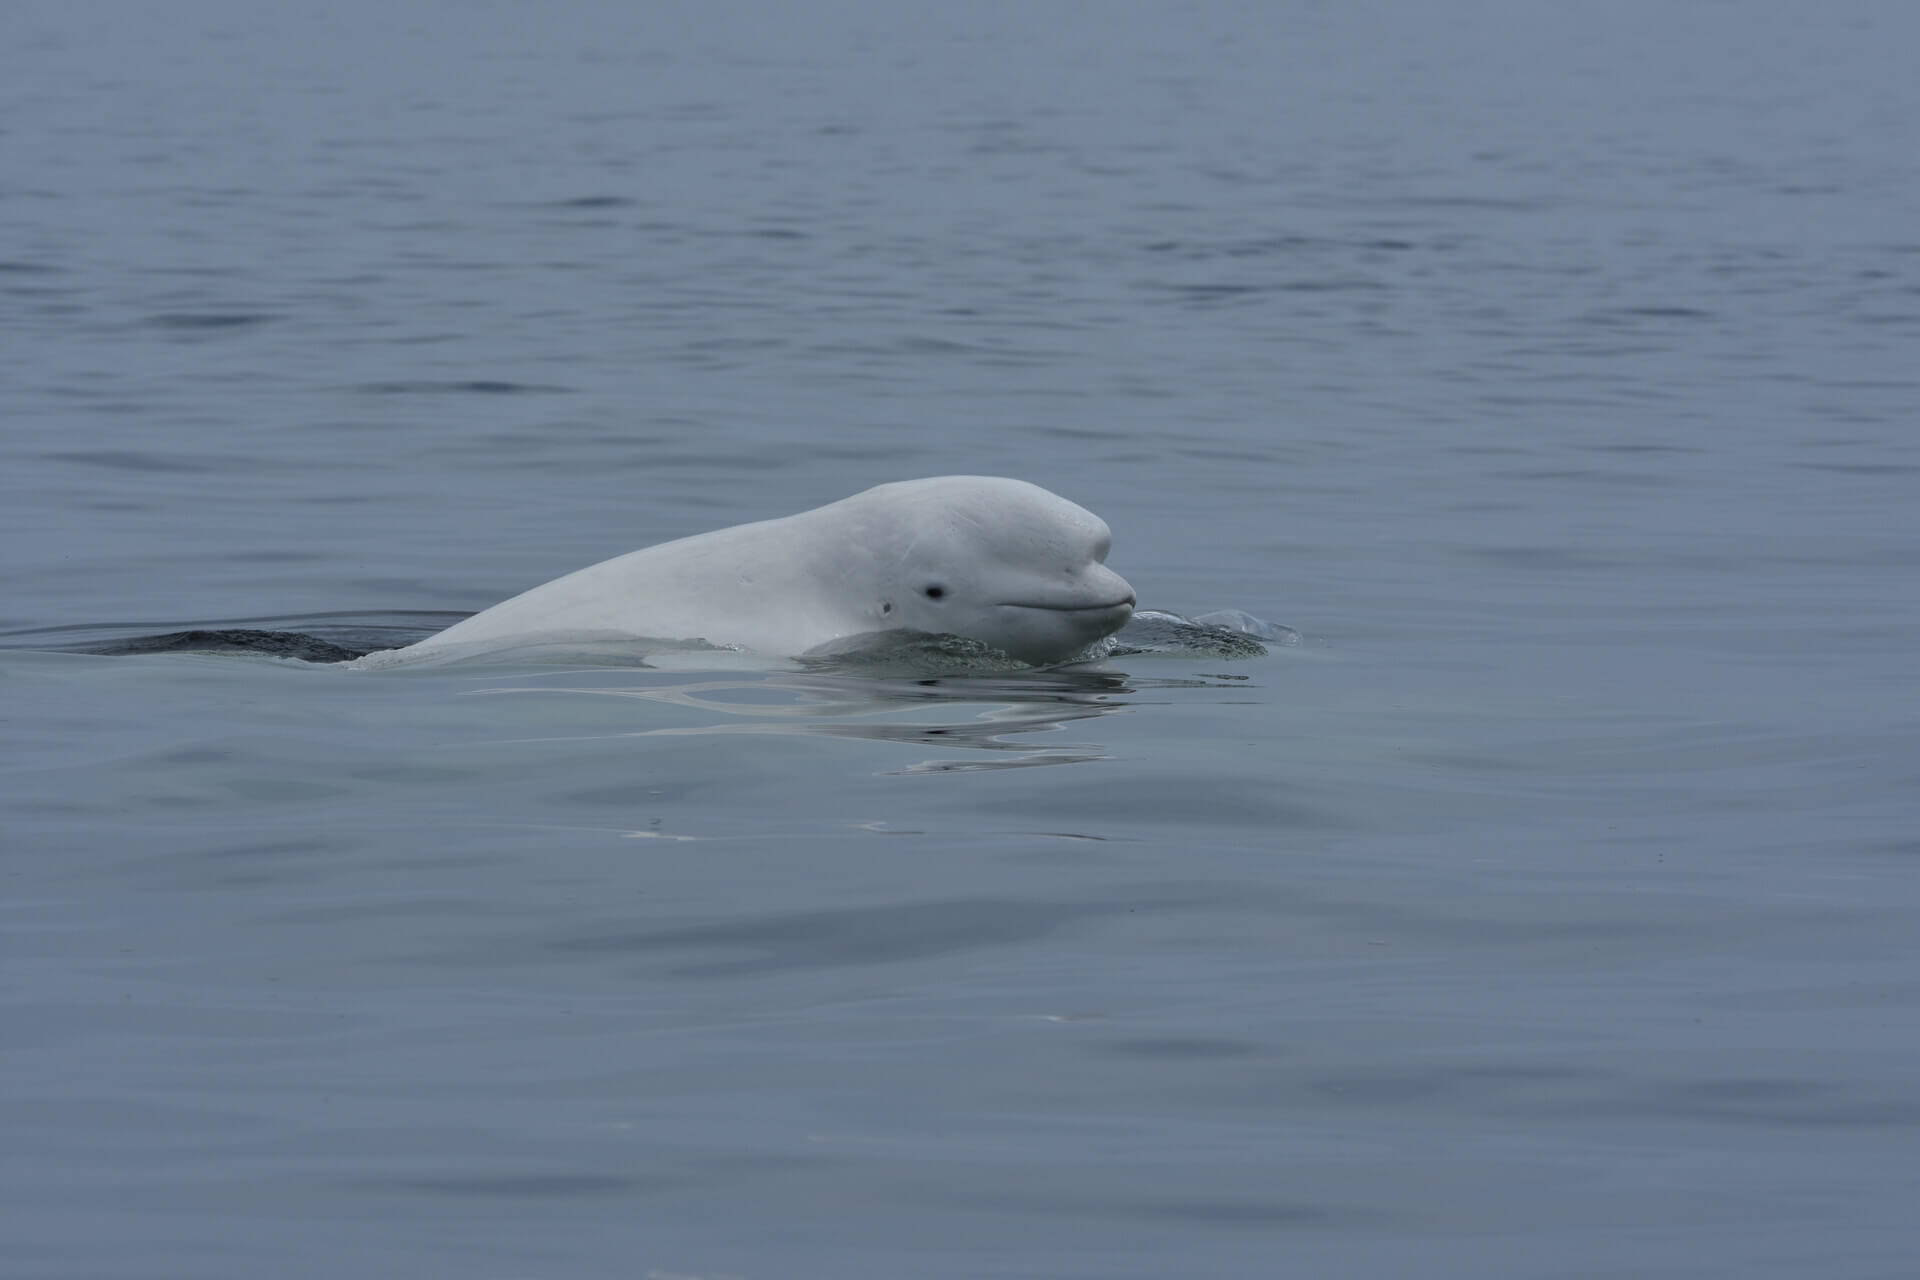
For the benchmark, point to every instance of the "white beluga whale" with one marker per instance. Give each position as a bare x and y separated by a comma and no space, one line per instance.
998,561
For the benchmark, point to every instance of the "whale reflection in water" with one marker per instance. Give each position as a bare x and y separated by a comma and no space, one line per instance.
992,718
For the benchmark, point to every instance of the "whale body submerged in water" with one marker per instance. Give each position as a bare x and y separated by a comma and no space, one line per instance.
990,559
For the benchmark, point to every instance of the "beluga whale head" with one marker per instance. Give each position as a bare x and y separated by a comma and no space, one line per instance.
996,560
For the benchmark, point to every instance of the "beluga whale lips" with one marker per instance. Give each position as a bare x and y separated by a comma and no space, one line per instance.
948,555
1126,604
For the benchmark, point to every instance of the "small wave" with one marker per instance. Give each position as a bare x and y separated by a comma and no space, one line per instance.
201,321
596,202
466,386
1229,633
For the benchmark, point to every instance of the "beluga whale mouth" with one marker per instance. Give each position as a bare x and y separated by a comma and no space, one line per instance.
986,558
1126,604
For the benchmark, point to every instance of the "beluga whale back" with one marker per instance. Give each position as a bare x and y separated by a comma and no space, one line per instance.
994,560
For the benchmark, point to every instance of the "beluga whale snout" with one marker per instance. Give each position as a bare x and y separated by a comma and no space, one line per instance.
990,559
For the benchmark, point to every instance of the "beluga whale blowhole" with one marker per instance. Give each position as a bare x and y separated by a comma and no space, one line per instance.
989,559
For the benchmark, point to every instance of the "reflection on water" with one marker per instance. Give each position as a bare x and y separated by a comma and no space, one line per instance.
986,714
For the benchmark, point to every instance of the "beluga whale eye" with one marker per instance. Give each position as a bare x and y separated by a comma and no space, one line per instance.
935,591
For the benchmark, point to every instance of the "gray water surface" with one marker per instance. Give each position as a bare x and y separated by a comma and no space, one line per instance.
1548,910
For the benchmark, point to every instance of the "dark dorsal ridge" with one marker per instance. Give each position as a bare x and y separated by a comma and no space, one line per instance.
278,644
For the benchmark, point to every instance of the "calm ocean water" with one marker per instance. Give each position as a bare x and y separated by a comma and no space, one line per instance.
1551,909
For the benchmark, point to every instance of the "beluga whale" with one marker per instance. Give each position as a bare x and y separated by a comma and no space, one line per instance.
989,559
